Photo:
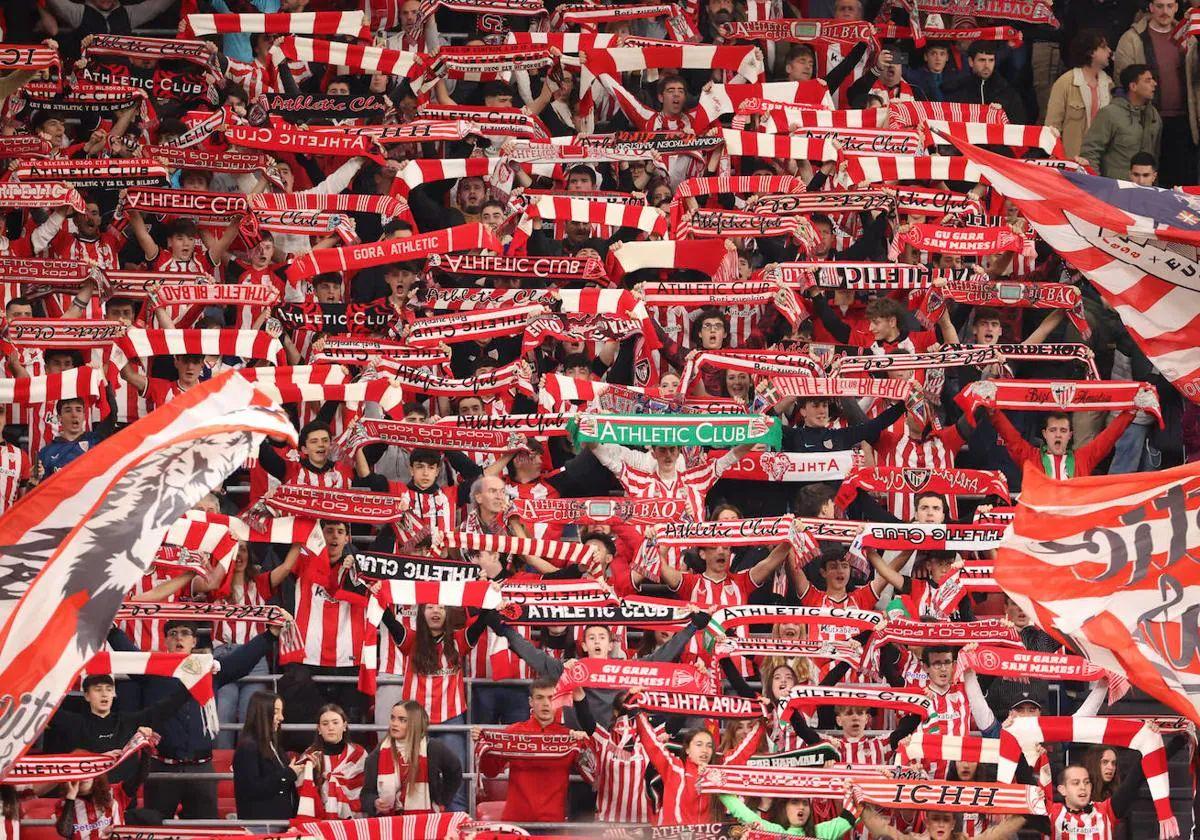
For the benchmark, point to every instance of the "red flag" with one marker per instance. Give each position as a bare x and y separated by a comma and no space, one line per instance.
1110,563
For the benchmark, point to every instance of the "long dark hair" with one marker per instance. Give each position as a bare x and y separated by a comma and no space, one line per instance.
101,793
10,805
426,658
318,745
260,724
777,813
1101,790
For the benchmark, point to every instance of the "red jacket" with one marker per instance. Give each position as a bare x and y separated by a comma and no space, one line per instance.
537,787
1086,456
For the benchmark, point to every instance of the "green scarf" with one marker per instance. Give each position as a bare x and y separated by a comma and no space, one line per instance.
1048,463
716,431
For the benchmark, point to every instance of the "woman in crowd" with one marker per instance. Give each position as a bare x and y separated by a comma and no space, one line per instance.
90,810
264,781
331,782
409,772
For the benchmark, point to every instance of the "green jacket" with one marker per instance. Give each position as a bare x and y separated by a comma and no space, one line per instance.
1118,133
829,830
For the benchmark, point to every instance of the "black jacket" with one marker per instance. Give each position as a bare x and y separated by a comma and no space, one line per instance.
979,91
444,773
265,788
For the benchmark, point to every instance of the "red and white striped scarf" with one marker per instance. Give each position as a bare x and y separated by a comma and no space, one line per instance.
140,343
620,674
200,204
45,194
503,121
364,255
501,380
214,294
838,651
778,146
351,24
784,782
744,61
646,219
194,670
519,745
30,57
302,141
558,552
214,539
701,704
890,31
154,49
878,170
966,354
427,436
754,362
1188,27
929,747
388,206
805,698
1023,735
906,631
711,258
78,333
509,265
355,57
912,113
480,325
75,767
484,63
948,482
270,615
1044,137
107,173
78,383
549,424
474,594
600,511
1020,665
746,614
963,797
430,826
1046,394
223,161
23,146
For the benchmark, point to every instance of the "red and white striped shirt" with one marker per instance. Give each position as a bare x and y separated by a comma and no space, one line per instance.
638,474
902,450
444,692
620,776
91,821
147,633
342,780
952,717
14,468
874,749
332,629
254,592
337,478
1096,823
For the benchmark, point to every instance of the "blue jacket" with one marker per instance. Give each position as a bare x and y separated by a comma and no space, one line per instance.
183,736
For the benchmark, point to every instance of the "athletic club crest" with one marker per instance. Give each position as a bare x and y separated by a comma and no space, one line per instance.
775,464
1063,393
916,479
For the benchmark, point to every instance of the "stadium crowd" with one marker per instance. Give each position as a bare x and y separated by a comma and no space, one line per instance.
663,378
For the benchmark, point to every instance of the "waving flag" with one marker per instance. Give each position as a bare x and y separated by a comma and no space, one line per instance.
1110,562
72,549
1137,245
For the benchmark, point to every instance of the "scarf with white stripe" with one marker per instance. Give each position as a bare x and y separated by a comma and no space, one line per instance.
556,551
1045,394
44,194
1020,665
350,24
194,670
271,615
246,344
357,58
964,797
75,767
805,698
1023,735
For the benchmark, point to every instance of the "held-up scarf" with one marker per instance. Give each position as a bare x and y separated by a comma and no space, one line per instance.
23,146
978,355
785,782
788,116
79,383
224,161
737,224
566,553
245,344
962,240
630,612
172,202
805,698
390,207
743,61
351,24
337,318
906,631
478,325
1055,352
590,593
836,201
514,746
531,425
458,299
762,531
646,219
45,194
29,57
890,31
708,705
798,30
838,651
709,257
814,756
301,141
215,294
378,566
154,49
271,615
1029,11
355,57
925,201
104,173
1049,395
948,482
193,670
474,594
781,388
427,436
905,536
76,333
198,540
342,505
696,295
778,146
355,350
319,383
491,121
746,614
850,275
1024,734
912,114
618,674
791,466
485,63
663,142
986,292
542,268
930,747
367,254
937,795
714,430
1020,665
303,108
1044,137
601,511
878,170
1188,27
75,767
502,380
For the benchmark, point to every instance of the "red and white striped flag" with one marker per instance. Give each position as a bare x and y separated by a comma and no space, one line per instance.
83,538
